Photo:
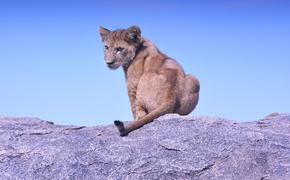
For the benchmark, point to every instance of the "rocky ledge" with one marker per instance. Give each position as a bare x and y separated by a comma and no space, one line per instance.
172,147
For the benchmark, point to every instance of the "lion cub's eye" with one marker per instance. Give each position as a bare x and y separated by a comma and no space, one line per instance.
106,47
119,49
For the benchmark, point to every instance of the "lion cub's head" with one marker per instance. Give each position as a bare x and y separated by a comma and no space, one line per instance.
120,45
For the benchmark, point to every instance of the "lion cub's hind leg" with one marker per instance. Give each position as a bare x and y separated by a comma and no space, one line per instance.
190,95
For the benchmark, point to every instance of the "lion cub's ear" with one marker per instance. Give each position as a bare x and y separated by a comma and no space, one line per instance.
134,33
104,32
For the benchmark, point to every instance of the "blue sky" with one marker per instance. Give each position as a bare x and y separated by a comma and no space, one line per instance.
52,64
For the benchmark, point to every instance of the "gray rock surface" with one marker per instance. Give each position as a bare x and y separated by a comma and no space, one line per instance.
172,147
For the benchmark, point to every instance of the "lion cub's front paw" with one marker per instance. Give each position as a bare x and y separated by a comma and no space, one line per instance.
121,128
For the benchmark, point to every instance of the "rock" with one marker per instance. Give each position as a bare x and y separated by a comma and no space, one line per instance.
272,115
171,147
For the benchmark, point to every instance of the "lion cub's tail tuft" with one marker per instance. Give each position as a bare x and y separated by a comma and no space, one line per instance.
121,128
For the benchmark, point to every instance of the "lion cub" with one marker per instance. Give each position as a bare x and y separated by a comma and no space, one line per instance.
156,83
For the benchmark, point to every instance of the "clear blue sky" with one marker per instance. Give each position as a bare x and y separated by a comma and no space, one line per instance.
52,64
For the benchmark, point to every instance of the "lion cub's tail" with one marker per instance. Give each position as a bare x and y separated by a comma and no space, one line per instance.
162,110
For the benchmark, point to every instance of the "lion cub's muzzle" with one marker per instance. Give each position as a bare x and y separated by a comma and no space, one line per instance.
112,64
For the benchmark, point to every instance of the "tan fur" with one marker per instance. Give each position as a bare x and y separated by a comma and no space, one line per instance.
156,84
